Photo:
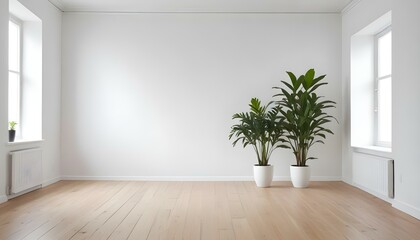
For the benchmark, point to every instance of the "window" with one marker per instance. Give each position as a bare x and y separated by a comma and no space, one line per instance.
383,96
25,72
14,70
370,85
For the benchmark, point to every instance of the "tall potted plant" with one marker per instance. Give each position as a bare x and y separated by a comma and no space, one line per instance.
12,131
259,128
304,120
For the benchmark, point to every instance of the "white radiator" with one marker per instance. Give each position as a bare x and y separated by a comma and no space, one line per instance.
26,169
374,174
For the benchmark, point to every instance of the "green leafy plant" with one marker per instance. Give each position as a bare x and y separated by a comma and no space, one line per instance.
259,128
304,113
12,125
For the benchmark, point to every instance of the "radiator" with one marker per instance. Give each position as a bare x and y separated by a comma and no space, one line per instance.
26,169
374,174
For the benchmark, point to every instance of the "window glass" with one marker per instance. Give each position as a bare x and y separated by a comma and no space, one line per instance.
385,55
14,45
14,72
14,96
384,89
384,110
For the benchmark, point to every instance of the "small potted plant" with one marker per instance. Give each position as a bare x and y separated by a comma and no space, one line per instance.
304,120
12,131
259,128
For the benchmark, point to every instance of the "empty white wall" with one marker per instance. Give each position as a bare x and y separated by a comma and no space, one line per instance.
406,115
51,89
152,95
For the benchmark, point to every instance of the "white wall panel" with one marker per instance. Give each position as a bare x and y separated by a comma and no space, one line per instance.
153,94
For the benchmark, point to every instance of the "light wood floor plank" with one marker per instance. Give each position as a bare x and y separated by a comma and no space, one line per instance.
116,206
209,224
67,209
105,229
41,217
226,234
118,210
144,224
242,229
192,226
75,220
126,227
176,222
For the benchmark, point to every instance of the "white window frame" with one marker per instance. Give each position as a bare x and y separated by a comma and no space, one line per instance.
377,79
19,23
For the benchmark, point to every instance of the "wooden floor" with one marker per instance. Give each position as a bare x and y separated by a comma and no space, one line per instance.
202,210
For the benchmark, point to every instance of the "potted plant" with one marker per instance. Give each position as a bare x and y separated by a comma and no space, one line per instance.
12,131
259,128
304,120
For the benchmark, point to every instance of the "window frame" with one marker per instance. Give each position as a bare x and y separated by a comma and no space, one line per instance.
19,23
377,36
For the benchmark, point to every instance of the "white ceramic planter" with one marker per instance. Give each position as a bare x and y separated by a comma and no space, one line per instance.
263,175
300,176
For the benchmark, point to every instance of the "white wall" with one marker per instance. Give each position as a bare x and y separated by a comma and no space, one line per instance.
406,99
51,92
152,95
354,20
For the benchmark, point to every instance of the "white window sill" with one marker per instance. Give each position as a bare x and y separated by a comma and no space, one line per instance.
24,142
374,150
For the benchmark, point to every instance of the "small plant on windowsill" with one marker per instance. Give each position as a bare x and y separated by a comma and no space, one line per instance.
12,131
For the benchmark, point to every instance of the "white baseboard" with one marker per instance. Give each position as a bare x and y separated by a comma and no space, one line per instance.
327,178
3,199
14,195
44,184
313,178
159,178
347,180
376,194
189,178
407,208
51,181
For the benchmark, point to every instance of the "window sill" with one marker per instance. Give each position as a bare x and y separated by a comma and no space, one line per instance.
374,150
24,142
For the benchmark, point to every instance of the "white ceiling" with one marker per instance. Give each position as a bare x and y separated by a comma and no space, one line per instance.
282,6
